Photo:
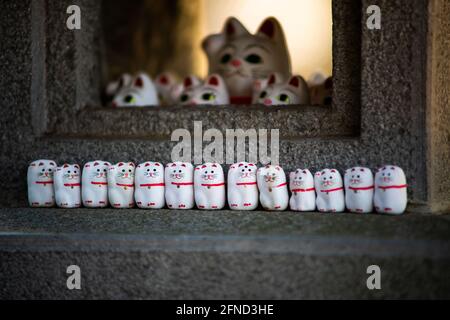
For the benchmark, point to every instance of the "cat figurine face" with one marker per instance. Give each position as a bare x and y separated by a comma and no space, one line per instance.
150,187
292,91
321,89
169,88
94,187
359,190
141,92
68,186
301,184
40,183
121,185
209,186
212,92
179,178
273,188
330,191
391,190
241,57
242,186
114,87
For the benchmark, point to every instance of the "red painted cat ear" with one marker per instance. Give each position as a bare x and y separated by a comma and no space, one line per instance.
272,79
147,165
268,28
233,28
187,82
214,81
66,166
183,165
164,80
41,164
295,82
139,82
121,164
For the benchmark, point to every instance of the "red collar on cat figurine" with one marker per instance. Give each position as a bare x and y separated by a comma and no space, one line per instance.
153,185
213,185
303,190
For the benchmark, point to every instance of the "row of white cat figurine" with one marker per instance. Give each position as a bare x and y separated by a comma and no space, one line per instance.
141,91
180,186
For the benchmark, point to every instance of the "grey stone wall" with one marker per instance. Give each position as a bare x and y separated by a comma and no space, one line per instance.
50,77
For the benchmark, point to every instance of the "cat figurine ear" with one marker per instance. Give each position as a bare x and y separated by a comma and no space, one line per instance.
209,186
114,87
212,92
330,191
68,186
391,190
273,188
301,184
169,88
121,185
94,187
241,57
359,189
242,187
40,180
278,92
149,186
140,93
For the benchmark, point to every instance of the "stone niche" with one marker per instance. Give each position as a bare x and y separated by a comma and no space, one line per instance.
390,97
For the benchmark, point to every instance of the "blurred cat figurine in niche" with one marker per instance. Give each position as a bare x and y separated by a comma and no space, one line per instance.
121,185
68,186
94,187
179,178
212,92
273,189
330,191
241,57
359,190
169,88
40,181
242,187
391,194
209,186
149,185
115,86
279,92
301,183
141,92
321,89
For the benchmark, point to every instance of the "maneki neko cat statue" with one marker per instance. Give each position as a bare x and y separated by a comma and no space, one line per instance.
115,86
242,187
68,186
141,92
273,188
40,180
279,92
179,179
209,186
391,196
212,92
169,88
330,191
301,184
94,186
359,190
241,57
321,89
121,185
149,186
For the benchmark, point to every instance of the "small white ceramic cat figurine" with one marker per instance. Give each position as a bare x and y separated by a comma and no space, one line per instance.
114,87
292,91
121,185
259,85
273,188
301,184
242,187
212,92
359,190
94,184
41,193
149,186
179,178
169,88
241,57
68,186
391,194
330,191
209,186
140,93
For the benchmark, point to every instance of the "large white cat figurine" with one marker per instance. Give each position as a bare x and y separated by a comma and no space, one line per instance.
330,191
169,88
209,186
149,186
141,92
359,190
40,183
121,185
278,92
273,188
241,57
301,184
94,186
212,92
242,187
68,186
391,194
179,178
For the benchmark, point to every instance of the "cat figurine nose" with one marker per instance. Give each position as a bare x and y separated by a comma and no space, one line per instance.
236,63
268,102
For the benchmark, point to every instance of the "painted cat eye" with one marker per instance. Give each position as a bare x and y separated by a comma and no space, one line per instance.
184,98
263,95
284,98
129,99
208,97
253,58
225,59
